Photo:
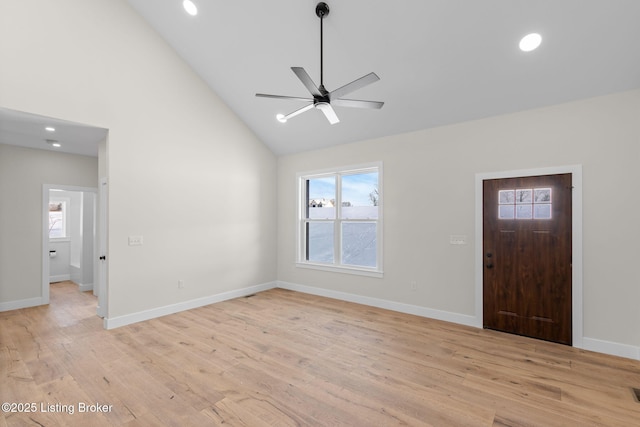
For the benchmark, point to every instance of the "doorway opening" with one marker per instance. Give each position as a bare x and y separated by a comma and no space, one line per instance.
72,236
72,233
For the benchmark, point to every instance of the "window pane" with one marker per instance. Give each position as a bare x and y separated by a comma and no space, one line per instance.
360,196
320,242
321,198
524,211
542,195
542,211
506,197
57,225
524,196
506,212
359,243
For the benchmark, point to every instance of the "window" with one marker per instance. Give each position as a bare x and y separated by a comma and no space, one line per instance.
58,218
340,220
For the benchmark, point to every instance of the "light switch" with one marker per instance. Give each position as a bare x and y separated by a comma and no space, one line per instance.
135,240
458,239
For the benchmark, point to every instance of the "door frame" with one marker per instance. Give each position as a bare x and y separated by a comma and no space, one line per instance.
576,240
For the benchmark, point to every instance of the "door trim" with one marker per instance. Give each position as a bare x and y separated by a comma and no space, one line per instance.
576,240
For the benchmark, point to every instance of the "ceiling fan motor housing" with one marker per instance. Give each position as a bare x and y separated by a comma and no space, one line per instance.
322,9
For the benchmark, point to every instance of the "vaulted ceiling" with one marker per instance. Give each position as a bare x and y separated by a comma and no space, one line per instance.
439,61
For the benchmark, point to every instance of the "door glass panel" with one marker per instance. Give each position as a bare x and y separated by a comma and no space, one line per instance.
524,211
523,196
506,212
507,197
542,195
542,211
524,203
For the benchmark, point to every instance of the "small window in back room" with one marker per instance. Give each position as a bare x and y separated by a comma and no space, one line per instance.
58,219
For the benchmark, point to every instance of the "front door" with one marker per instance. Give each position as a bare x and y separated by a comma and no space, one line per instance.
527,256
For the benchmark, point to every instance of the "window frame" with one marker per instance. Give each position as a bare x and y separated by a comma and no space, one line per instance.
302,220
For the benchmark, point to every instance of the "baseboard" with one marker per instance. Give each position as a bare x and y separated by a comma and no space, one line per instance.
612,348
23,303
59,278
116,322
83,287
385,304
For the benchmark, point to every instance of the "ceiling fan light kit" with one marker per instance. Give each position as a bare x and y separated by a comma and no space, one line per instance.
322,98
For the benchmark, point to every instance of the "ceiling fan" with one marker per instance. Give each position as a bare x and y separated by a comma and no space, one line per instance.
323,99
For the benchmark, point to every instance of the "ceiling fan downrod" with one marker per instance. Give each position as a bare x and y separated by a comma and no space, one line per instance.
322,10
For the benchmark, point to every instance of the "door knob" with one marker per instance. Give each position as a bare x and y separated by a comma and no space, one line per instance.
489,265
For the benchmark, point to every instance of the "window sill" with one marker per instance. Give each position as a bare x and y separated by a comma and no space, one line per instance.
341,269
59,239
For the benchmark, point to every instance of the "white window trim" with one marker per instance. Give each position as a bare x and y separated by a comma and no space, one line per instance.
300,222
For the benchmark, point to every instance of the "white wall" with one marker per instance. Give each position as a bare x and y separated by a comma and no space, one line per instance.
429,179
184,172
23,172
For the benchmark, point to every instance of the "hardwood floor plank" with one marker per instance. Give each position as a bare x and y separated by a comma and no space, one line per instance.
230,413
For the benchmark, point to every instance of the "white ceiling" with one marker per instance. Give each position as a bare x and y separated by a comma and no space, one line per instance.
28,130
440,61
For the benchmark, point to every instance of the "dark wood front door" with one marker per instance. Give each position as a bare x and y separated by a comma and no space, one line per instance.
527,256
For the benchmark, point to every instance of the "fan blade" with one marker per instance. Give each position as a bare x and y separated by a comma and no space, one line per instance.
354,85
306,81
328,111
357,103
296,98
298,111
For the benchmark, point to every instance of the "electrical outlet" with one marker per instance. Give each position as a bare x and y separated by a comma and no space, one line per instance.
180,284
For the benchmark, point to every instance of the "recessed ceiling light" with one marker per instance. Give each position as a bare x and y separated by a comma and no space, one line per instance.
50,129
530,42
190,7
53,143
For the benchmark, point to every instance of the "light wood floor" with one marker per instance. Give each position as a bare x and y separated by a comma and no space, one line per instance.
284,358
